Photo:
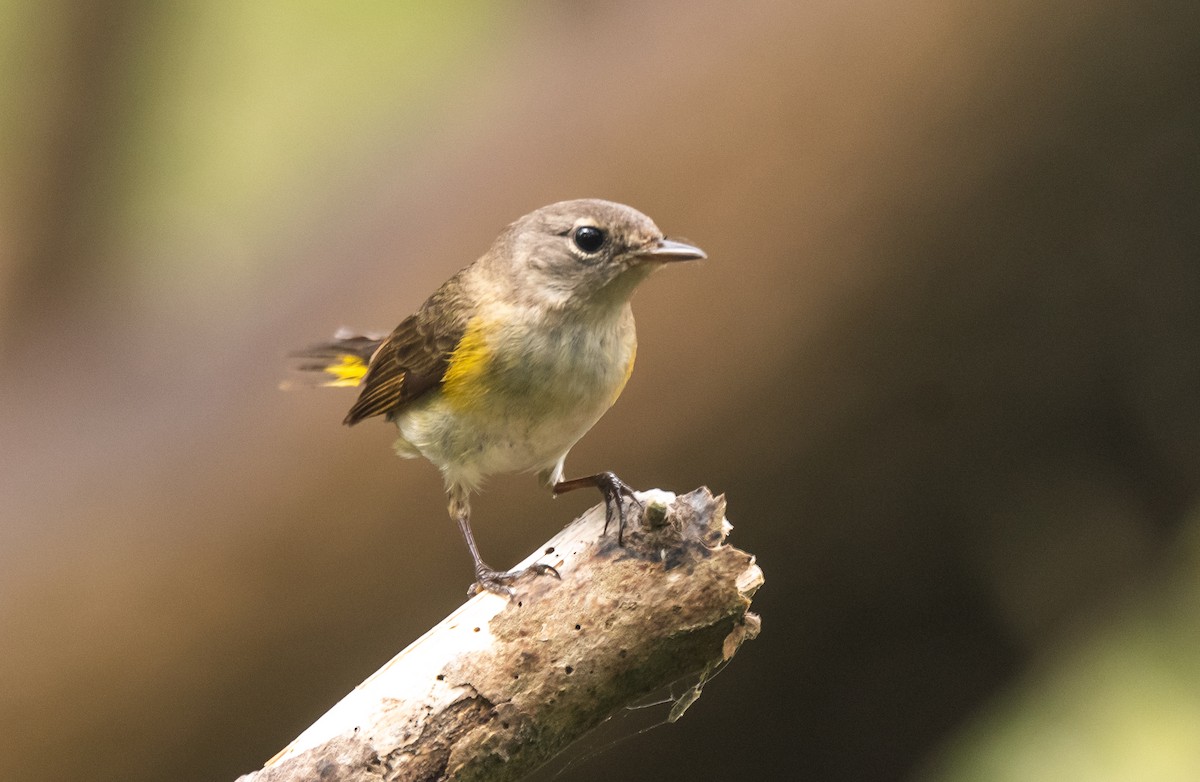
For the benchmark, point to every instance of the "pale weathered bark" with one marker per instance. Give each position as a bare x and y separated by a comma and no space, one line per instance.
502,685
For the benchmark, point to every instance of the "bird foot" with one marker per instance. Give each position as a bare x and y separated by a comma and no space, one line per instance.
501,582
614,490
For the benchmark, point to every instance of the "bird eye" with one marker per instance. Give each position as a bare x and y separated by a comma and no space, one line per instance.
589,238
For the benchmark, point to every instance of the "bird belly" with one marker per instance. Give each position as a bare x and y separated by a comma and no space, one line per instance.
535,395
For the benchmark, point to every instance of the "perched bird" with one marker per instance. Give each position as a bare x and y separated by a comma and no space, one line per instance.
514,358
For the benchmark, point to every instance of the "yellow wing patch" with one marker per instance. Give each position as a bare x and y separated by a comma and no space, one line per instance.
347,371
628,372
462,384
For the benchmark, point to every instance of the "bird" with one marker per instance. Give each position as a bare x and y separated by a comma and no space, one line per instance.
513,359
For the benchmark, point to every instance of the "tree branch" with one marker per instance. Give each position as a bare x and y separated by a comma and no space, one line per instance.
502,685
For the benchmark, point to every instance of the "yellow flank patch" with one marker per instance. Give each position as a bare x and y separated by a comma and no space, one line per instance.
463,385
628,372
348,371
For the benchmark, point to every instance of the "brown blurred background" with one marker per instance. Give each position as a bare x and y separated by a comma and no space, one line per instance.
942,360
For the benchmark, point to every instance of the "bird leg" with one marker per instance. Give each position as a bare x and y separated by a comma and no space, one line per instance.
498,581
614,490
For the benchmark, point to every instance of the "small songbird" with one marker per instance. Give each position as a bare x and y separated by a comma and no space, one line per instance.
514,358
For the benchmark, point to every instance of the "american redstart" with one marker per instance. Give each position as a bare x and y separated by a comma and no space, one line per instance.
514,358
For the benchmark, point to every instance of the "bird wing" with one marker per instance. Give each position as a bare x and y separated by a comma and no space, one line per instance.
413,359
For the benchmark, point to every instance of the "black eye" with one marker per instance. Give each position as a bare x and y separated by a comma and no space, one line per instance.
589,238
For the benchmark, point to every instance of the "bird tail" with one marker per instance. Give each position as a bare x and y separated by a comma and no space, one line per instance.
341,362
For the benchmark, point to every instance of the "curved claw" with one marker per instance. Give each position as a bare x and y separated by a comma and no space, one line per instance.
614,490
541,569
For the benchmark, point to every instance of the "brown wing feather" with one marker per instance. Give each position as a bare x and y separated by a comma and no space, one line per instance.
413,358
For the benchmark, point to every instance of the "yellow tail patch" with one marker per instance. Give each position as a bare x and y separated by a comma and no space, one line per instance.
347,371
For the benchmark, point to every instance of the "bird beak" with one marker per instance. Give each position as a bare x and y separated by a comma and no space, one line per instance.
671,250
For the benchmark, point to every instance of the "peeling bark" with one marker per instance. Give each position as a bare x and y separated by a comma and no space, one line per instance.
503,684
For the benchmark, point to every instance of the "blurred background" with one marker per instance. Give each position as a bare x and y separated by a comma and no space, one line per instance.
943,361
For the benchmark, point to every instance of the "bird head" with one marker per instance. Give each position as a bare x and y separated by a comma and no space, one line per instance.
584,254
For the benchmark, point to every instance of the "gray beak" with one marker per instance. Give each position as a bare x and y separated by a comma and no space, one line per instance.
671,250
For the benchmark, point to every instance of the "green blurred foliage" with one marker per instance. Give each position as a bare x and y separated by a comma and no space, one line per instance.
1118,701
239,105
